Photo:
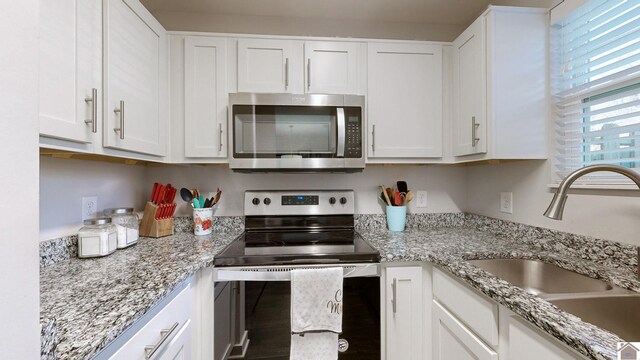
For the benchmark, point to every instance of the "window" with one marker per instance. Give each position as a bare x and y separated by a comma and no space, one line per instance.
596,88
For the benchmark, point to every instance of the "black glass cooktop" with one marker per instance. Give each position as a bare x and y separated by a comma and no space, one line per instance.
297,247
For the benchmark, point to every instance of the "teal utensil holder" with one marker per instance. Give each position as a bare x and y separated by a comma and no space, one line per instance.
396,218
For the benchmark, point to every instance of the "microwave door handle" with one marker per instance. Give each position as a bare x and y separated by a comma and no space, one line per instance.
341,132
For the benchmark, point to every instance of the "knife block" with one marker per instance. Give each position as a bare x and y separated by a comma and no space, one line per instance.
152,227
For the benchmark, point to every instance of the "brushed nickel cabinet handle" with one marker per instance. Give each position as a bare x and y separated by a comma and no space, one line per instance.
151,350
474,132
121,112
309,74
94,110
394,300
373,137
286,74
220,137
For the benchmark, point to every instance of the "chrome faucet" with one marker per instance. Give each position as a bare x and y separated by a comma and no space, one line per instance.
556,208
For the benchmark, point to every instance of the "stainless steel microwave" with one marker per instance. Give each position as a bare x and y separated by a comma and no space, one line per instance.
296,133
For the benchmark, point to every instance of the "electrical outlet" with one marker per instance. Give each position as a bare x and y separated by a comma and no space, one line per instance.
89,207
421,200
506,202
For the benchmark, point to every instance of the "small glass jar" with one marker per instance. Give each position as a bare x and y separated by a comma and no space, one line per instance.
127,225
97,238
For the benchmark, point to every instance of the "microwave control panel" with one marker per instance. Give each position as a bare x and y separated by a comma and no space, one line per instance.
353,146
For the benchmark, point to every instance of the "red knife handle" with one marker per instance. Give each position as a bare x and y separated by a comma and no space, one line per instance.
154,192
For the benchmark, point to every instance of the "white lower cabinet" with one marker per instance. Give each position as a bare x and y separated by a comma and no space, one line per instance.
524,342
180,347
468,325
453,340
165,336
403,309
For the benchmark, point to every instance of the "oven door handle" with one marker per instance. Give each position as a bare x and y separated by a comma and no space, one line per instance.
342,130
283,273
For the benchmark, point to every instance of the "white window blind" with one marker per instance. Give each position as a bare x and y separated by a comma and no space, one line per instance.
596,88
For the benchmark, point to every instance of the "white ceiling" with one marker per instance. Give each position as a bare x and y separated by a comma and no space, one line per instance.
449,12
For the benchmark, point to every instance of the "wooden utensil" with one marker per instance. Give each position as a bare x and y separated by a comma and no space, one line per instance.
217,197
390,194
386,196
408,198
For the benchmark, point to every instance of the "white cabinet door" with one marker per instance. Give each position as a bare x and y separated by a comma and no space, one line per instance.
205,100
452,340
528,343
405,100
469,91
331,67
70,68
404,313
269,66
135,79
179,348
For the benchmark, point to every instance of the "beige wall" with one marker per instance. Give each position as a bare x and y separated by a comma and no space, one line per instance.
445,185
612,215
19,261
63,183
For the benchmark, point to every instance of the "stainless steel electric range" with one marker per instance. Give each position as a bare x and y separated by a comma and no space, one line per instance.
286,230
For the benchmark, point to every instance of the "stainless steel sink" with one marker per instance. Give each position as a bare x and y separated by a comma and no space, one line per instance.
618,314
540,278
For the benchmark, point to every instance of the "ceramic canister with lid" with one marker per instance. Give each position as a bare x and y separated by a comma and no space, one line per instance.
97,238
127,225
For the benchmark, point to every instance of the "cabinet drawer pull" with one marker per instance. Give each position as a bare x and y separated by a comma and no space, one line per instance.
309,74
121,112
220,137
474,132
286,74
394,301
94,110
151,350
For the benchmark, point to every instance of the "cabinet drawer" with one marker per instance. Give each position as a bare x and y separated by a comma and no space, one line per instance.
476,311
452,340
178,311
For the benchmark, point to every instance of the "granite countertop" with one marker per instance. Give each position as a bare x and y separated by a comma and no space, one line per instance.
450,248
87,303
95,300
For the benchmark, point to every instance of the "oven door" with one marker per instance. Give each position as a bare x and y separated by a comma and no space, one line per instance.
268,302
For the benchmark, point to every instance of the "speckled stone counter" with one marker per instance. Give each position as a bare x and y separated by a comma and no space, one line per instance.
85,304
95,300
449,248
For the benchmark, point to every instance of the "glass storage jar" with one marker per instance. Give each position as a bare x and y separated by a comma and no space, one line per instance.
97,238
127,225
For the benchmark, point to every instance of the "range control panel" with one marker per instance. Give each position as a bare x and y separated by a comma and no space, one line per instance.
300,199
299,202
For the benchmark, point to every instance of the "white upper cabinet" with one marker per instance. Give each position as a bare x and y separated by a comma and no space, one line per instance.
205,97
331,67
135,74
293,66
500,86
270,66
469,94
70,69
405,100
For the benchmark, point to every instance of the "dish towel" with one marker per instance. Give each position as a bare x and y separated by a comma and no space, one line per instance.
316,313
